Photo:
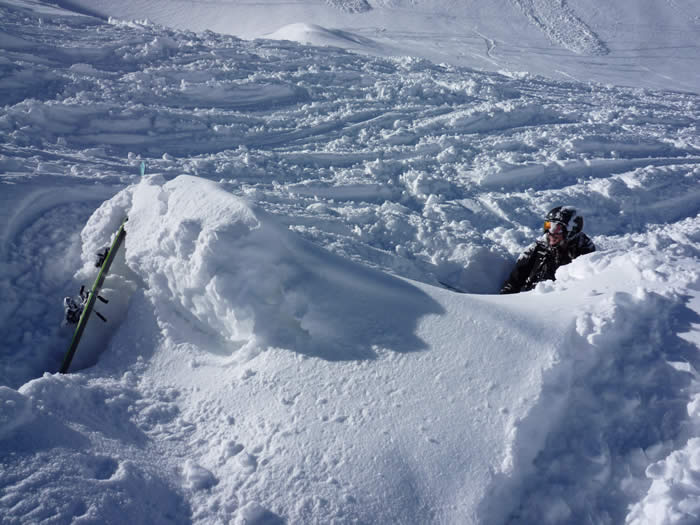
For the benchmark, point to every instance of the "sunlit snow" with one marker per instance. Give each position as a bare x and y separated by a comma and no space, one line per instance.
303,323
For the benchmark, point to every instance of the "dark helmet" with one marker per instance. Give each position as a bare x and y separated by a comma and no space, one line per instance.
567,217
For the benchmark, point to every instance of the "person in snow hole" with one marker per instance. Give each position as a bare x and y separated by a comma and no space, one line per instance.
562,242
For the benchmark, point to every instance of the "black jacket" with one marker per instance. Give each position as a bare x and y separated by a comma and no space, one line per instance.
540,262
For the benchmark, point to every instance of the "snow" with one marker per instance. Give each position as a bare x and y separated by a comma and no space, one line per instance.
645,43
286,341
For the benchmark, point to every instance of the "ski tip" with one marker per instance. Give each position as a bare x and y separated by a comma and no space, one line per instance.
143,168
450,287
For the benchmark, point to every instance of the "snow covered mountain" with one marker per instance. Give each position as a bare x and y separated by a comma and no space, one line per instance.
645,43
285,342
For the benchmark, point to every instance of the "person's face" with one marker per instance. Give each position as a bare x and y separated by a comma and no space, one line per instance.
556,234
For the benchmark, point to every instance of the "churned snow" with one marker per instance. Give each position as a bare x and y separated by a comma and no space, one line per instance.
303,322
647,43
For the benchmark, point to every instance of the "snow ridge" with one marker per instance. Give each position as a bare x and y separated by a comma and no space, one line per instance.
561,25
626,332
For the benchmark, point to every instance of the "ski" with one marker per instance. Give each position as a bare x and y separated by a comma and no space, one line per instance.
450,287
80,311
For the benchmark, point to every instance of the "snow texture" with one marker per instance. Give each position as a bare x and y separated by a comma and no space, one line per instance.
556,20
645,43
303,324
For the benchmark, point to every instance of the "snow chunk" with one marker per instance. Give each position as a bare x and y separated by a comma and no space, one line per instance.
673,495
254,514
15,411
197,477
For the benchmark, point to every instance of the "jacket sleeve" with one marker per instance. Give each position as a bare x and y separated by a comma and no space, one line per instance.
523,267
583,245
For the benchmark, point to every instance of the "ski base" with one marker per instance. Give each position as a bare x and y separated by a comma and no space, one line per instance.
88,298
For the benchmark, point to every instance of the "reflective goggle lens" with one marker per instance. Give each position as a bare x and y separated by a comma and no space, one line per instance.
555,228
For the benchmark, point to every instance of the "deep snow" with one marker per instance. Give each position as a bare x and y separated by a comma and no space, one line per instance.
284,340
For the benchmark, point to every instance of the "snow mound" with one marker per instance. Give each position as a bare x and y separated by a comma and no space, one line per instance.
236,276
225,281
15,411
320,36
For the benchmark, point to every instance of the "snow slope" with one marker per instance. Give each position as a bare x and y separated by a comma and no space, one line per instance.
284,344
647,43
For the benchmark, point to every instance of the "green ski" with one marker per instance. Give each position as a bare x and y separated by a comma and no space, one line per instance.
80,312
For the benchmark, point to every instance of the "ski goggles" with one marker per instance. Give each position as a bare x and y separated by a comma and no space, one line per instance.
554,228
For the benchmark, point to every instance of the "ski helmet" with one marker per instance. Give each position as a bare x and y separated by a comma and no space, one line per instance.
567,217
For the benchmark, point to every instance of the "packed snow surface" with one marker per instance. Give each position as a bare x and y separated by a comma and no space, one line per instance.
303,322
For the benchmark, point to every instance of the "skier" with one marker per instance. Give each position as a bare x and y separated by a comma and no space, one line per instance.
563,241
